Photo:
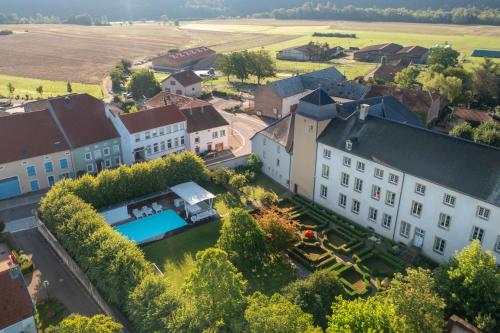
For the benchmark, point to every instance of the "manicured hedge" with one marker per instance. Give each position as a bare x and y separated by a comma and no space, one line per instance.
115,265
341,267
394,263
299,252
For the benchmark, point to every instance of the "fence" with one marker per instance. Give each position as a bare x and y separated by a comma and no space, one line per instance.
78,273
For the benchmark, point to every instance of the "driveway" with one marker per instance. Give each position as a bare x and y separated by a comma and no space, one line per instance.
62,284
19,207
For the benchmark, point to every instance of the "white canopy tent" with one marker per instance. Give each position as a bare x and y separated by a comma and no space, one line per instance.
192,194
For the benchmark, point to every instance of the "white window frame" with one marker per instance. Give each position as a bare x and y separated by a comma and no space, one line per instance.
477,233
327,153
405,229
346,161
360,166
358,185
323,191
390,198
393,179
106,149
97,154
342,200
378,173
420,188
116,149
416,208
449,200
386,221
355,206
138,137
483,213
107,163
372,214
325,171
497,245
90,167
439,245
88,156
376,190
444,221
344,179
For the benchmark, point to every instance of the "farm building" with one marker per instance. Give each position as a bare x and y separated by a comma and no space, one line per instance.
486,53
179,60
384,72
393,53
308,52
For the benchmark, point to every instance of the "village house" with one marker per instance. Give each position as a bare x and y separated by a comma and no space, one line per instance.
150,134
17,313
207,129
276,99
378,166
393,53
35,153
94,142
471,116
185,83
184,59
428,105
307,53
384,73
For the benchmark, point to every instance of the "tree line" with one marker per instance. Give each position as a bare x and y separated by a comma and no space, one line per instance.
245,63
328,11
80,19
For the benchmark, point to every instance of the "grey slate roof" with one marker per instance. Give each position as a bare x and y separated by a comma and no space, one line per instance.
385,107
296,84
461,165
281,131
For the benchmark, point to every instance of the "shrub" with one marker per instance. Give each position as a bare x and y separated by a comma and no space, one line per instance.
254,162
268,199
238,181
221,176
277,226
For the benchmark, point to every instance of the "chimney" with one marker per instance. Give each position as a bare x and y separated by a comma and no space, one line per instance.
363,111
348,145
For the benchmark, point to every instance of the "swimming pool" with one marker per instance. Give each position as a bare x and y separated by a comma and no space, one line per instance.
151,227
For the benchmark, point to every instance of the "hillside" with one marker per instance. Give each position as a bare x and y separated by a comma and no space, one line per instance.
153,9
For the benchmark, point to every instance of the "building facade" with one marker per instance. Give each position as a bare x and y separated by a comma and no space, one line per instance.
150,134
185,83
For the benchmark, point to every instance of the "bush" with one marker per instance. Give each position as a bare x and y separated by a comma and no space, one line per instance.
254,163
268,199
221,176
238,181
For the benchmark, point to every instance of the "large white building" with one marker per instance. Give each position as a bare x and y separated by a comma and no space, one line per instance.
186,83
150,134
372,162
273,145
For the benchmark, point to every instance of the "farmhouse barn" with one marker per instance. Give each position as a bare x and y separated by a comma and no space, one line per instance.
178,60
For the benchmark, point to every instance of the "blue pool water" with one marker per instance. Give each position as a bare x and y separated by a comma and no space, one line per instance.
151,226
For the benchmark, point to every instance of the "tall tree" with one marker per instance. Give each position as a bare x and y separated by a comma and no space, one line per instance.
486,82
407,78
315,294
11,89
240,64
216,290
444,56
39,90
450,87
488,133
276,314
278,228
261,64
151,304
143,83
69,88
244,240
470,284
225,65
415,301
82,324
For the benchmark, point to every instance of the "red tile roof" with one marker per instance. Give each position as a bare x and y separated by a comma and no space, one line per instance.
472,115
83,119
186,78
164,98
27,135
15,301
152,118
201,116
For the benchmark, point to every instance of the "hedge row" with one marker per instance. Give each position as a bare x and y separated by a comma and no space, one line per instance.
125,183
395,264
115,265
341,267
299,253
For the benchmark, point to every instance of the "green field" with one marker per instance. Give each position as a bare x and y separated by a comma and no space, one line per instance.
26,86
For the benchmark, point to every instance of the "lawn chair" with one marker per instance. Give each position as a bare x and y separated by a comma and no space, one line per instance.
157,207
147,211
137,213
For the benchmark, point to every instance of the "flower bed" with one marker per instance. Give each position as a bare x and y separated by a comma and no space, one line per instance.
355,281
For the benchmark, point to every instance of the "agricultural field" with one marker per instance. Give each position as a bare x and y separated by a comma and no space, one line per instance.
79,54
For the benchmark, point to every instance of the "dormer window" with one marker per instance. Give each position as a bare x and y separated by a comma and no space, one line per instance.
348,145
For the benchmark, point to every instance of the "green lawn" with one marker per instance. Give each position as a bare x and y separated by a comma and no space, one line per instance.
262,184
225,200
26,86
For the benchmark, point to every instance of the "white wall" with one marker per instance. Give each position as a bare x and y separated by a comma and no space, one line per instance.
26,326
269,152
173,86
463,214
206,136
289,101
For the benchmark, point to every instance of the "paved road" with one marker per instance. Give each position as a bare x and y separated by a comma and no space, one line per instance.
19,207
63,285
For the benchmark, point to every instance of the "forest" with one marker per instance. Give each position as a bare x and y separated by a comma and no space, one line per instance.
119,10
